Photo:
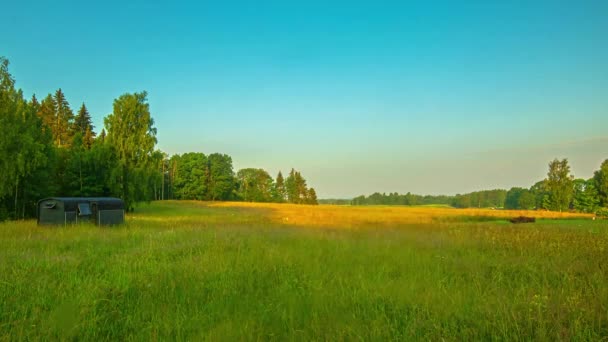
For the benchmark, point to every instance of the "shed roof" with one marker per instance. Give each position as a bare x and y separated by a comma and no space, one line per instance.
115,203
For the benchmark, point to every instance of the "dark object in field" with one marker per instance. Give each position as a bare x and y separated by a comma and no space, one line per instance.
97,210
523,219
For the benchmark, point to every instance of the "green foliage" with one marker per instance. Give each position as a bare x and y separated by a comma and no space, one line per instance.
512,198
527,200
297,190
585,198
46,112
311,197
481,199
603,213
559,185
82,122
397,199
600,179
189,179
84,126
159,176
280,192
519,198
24,151
132,134
221,182
255,185
87,170
46,151
64,120
541,195
478,199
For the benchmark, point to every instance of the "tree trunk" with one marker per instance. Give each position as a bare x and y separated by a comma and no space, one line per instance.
23,206
16,197
80,170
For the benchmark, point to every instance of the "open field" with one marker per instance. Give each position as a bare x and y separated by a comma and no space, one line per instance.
237,271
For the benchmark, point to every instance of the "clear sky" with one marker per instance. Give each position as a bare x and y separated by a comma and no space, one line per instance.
428,97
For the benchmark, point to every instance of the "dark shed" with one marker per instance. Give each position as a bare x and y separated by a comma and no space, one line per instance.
64,210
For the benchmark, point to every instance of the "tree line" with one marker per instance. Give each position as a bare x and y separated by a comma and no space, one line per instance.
399,199
559,191
197,176
48,150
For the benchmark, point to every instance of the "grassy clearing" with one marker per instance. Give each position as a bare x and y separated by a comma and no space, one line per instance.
188,270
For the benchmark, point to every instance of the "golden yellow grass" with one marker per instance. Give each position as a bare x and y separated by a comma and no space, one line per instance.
351,216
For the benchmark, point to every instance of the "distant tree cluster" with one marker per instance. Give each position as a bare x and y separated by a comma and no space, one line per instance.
397,199
47,150
480,199
200,177
560,191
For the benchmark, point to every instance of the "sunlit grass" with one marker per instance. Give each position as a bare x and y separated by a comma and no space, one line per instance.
354,216
234,271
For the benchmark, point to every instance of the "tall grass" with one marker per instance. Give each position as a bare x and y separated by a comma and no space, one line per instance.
356,216
190,271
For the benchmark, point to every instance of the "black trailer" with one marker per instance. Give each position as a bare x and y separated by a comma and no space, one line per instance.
70,210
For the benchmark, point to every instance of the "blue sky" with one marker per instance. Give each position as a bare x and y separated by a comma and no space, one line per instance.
428,97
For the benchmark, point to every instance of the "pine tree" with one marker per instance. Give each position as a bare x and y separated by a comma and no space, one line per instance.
64,118
280,193
88,139
46,112
34,104
82,122
311,197
102,135
291,187
23,150
301,188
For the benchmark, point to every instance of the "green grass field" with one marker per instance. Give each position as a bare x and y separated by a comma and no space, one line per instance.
192,271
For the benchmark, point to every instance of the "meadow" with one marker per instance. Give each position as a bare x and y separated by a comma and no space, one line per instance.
239,271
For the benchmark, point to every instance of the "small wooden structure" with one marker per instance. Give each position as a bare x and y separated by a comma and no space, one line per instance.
69,210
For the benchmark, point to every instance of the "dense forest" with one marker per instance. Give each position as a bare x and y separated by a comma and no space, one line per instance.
560,191
48,150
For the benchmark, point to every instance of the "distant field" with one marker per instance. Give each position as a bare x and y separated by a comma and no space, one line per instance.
238,271
360,216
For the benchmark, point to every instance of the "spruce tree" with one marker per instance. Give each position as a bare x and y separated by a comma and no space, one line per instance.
291,187
280,193
82,122
301,188
46,112
23,149
88,139
311,197
34,104
64,118
102,135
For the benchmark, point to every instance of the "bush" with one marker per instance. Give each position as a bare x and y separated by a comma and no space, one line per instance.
602,212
